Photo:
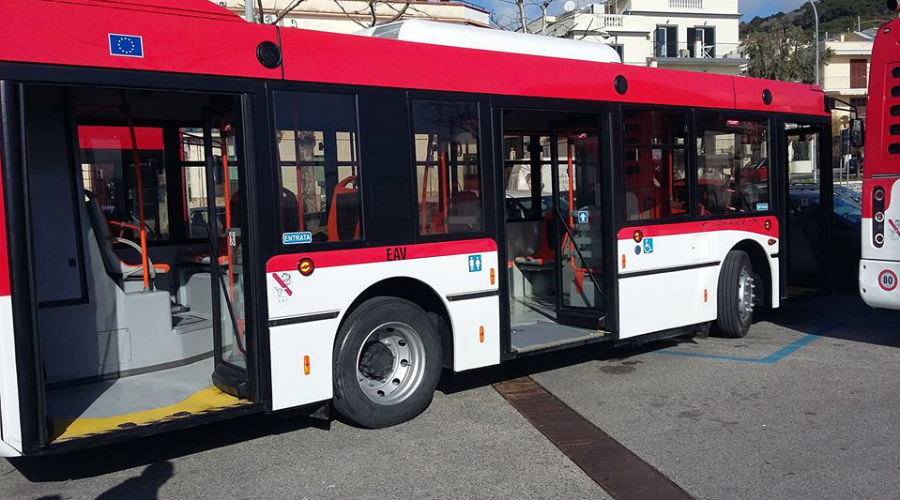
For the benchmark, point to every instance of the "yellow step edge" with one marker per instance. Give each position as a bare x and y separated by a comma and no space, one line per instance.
203,401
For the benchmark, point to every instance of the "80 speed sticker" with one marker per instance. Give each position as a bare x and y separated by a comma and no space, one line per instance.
887,280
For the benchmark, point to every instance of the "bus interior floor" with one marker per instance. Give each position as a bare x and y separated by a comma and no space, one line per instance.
534,327
134,400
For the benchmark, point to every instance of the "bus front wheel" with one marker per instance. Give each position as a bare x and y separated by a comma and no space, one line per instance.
387,362
736,295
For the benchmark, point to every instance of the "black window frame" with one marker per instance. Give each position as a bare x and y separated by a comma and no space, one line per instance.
485,148
773,162
689,165
325,90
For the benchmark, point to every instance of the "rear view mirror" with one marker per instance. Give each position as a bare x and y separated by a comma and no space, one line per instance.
857,133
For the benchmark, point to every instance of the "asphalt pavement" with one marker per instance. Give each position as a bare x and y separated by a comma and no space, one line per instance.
806,407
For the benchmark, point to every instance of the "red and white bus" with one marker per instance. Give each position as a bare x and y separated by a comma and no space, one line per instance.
203,218
879,267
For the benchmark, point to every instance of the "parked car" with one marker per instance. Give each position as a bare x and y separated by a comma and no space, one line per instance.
847,213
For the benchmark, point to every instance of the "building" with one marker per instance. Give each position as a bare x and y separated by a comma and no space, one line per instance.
348,16
846,74
695,35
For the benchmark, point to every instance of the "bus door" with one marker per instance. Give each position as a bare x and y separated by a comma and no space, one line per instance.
577,182
807,204
226,216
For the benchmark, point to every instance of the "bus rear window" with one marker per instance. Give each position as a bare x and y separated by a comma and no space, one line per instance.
318,165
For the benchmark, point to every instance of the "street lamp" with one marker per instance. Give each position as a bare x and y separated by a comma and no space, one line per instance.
816,16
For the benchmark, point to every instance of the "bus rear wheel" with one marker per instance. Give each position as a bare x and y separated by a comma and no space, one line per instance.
387,363
736,295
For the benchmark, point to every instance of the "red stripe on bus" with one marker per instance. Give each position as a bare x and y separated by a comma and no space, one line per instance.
75,33
748,224
334,258
103,137
4,255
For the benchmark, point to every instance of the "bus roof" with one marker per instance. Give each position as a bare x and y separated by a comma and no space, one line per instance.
474,37
207,39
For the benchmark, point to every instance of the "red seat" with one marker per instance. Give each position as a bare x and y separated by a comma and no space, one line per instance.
545,254
351,221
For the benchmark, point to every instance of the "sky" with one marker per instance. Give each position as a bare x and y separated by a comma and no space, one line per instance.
749,8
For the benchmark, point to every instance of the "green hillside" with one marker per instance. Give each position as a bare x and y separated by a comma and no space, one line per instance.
835,16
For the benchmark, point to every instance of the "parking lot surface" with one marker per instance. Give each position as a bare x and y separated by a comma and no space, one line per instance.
806,407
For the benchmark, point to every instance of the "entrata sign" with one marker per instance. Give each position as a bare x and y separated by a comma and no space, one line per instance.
888,280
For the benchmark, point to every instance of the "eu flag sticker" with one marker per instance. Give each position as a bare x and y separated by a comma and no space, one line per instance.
126,45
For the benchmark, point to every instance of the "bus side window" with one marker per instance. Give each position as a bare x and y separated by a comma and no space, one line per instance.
318,168
655,174
447,166
732,165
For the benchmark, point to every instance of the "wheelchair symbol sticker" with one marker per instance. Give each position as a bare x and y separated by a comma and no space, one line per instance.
648,245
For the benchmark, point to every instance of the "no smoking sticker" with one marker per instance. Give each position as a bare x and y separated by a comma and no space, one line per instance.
887,280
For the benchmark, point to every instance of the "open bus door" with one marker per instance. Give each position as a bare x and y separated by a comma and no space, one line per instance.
556,165
226,221
807,201
577,187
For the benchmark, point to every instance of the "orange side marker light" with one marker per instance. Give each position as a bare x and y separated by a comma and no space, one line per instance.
481,334
623,261
705,295
306,365
493,276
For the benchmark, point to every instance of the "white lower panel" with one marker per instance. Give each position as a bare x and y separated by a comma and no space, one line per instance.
469,316
289,344
667,300
10,418
878,283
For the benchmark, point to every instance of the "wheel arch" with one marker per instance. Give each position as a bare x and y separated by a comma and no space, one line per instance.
419,293
761,266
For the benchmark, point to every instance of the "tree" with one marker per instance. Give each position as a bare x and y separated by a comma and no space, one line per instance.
521,21
365,13
787,54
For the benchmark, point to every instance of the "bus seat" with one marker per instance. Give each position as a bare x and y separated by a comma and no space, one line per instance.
343,213
464,213
114,265
545,255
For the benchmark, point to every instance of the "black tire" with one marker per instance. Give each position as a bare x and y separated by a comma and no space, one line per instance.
730,322
349,399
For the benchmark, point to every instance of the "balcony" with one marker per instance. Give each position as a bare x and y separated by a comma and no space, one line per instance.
697,51
686,4
610,20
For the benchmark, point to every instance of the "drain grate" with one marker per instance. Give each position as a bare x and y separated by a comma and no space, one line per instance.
615,468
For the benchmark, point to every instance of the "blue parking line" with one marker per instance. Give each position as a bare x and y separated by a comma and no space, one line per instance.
770,359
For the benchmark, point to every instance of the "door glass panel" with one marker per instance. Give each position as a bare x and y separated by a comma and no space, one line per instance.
229,242
803,206
579,181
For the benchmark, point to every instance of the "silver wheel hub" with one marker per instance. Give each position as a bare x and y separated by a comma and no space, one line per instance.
390,364
746,294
